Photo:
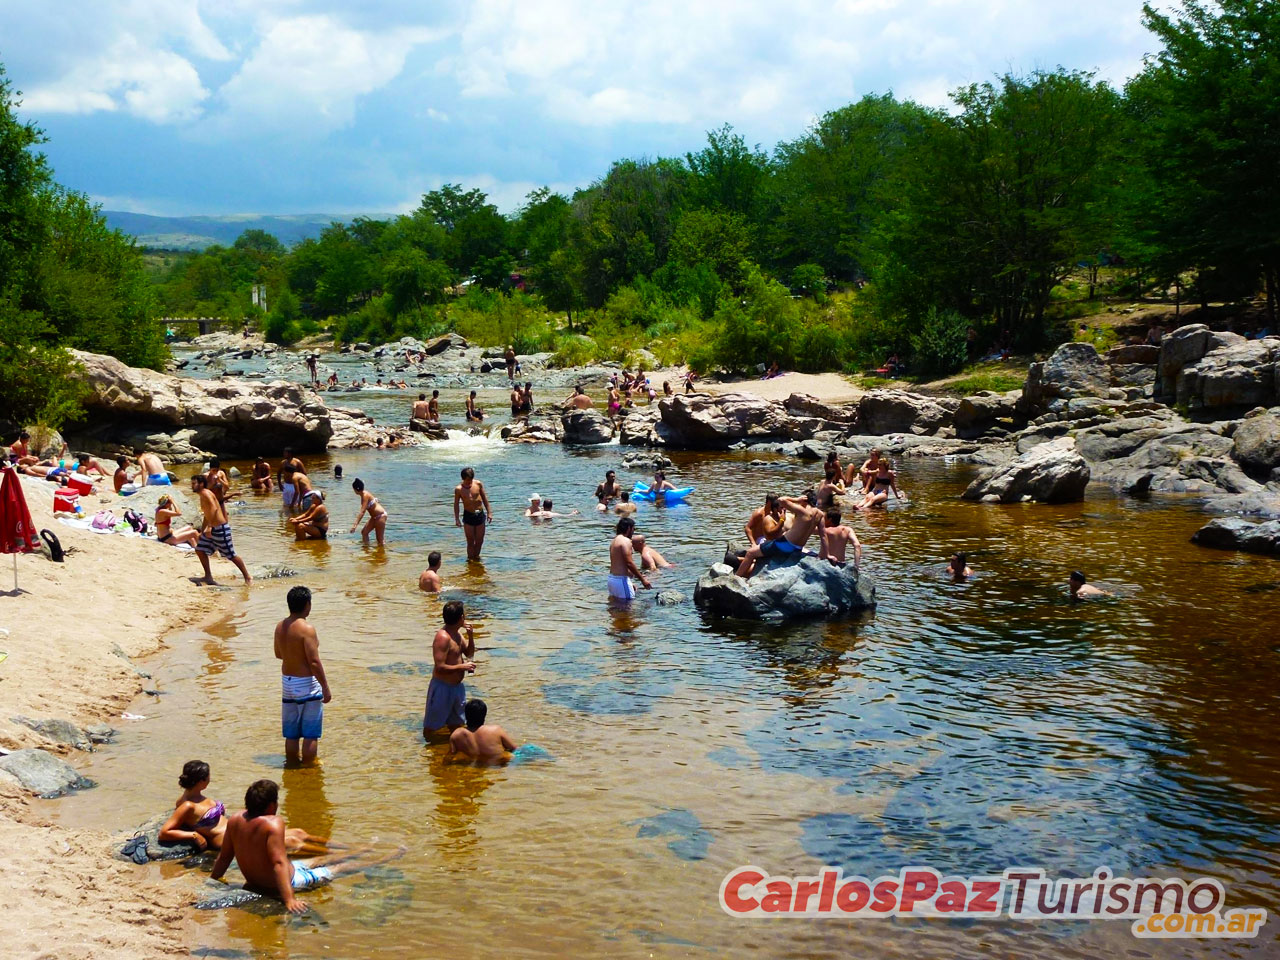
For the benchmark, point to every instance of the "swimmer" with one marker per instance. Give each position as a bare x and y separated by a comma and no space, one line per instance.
526,397
535,506
202,822
480,741
314,523
836,539
650,559
624,505
429,580
1081,590
304,688
547,512
255,840
608,491
660,483
765,523
517,400
622,563
452,651
166,512
615,400
958,567
807,519
303,491
217,479
261,479
377,523
471,497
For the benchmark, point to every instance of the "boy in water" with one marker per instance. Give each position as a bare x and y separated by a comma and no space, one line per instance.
470,496
452,652
622,563
429,581
1080,590
958,569
304,689
836,539
480,741
261,480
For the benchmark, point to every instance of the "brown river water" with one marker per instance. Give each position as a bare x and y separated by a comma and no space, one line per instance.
969,727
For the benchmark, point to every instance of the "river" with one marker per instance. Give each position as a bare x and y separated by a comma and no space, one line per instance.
969,727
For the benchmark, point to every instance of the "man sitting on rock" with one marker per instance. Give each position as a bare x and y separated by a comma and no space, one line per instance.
808,518
836,539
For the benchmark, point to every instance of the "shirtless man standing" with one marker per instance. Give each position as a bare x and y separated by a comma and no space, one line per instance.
836,539
650,559
303,493
608,490
288,463
215,532
304,690
808,518
765,523
517,400
218,481
622,563
433,407
475,511
255,840
480,741
451,650
422,408
261,480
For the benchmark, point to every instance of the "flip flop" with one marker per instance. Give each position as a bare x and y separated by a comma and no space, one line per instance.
135,849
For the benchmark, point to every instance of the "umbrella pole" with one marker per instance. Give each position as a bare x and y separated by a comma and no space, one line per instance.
15,573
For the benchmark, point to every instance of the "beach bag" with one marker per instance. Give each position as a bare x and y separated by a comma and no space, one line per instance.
136,521
103,520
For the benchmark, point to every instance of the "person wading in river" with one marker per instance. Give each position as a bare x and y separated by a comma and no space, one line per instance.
622,563
469,496
451,652
304,689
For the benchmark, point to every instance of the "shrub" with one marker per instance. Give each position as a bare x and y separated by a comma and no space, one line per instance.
40,383
573,350
941,345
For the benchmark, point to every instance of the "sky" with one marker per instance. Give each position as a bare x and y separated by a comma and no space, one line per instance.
182,107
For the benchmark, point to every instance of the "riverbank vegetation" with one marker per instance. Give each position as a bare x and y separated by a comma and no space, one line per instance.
886,229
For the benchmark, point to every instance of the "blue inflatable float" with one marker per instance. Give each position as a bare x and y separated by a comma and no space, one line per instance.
643,492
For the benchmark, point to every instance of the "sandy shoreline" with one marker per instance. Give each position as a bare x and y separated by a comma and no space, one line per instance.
71,631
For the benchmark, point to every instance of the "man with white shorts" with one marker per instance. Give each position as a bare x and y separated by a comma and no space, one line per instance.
622,563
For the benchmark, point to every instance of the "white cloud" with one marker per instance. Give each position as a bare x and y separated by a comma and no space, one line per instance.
309,71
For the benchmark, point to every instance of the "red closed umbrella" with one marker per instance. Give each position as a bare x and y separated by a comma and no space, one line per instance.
17,532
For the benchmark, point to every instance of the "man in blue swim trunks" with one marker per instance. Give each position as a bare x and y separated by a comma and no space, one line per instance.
452,650
808,519
153,471
304,688
255,841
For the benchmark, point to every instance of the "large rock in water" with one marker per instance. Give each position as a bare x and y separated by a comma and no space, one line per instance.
40,772
1256,443
587,426
785,588
701,422
1052,472
231,417
1234,533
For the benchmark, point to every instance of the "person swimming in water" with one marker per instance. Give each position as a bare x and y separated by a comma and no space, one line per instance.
429,580
608,491
1080,589
958,567
624,505
535,506
482,742
201,822
547,511
369,504
650,559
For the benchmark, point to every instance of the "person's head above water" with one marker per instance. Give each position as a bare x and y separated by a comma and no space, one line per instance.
546,504
433,560
194,772
832,517
473,394
422,396
299,601
215,463
625,496
337,472
468,474
261,798
638,540
357,485
475,711
626,526
959,561
453,613
534,500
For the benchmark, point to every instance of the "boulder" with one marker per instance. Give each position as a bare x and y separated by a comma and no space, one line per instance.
230,417
638,428
801,404
791,587
534,430
1073,370
1181,347
45,443
701,421
895,411
1233,375
432,429
647,461
1130,353
1052,472
59,731
977,414
1234,533
669,598
41,773
587,427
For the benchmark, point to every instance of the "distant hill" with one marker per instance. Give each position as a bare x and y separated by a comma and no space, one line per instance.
196,233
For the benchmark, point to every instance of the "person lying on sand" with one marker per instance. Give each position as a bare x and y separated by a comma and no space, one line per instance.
166,512
1081,590
485,743
255,840
429,580
203,822
650,559
90,466
121,476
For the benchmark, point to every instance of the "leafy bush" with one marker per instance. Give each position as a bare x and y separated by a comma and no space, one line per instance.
573,350
821,347
809,280
40,382
995,382
941,345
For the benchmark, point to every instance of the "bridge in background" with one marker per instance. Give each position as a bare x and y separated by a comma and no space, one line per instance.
206,324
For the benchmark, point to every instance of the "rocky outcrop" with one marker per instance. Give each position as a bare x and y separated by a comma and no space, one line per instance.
1234,533
431,429
895,411
586,427
803,405
792,587
639,428
1201,369
702,422
536,429
40,772
1072,370
1256,443
1052,472
450,341
978,414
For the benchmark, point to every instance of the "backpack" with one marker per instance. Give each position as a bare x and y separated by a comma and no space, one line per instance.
136,521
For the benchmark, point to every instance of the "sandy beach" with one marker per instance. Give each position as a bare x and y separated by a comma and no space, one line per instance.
73,629
827,387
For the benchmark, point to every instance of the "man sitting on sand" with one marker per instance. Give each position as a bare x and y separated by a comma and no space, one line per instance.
650,559
622,563
452,649
261,480
807,519
255,840
836,539
429,580
153,471
485,743
1081,590
304,688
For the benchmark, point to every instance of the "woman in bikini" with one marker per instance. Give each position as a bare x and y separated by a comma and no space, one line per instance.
882,481
202,822
314,524
166,510
615,404
377,513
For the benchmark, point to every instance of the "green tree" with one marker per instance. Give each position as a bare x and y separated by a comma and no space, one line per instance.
730,176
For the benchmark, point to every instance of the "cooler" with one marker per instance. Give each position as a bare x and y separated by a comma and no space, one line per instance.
80,484
65,501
